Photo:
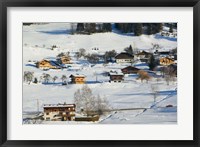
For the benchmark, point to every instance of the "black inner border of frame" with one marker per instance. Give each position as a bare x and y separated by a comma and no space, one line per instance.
98,3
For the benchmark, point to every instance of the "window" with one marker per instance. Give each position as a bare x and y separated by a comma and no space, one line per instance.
47,118
47,113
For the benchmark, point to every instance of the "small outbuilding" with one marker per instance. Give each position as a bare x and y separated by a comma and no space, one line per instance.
166,61
77,79
116,77
130,70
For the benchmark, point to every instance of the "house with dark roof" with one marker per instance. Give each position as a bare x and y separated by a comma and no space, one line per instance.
47,64
59,112
166,61
116,77
77,79
143,56
124,58
64,60
130,70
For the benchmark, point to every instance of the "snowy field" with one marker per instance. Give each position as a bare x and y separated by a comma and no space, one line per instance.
132,101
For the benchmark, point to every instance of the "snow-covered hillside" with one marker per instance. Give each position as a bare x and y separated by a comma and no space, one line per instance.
130,94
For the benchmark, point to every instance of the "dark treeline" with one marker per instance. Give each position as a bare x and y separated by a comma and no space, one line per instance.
89,28
136,28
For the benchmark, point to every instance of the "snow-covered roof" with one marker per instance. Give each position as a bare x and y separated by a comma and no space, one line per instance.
116,73
58,105
124,56
77,75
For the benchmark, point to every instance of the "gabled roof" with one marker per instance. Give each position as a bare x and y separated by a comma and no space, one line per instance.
144,53
77,75
116,74
124,56
130,68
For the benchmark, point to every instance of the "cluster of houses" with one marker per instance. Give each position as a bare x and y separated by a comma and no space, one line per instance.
66,112
57,63
165,58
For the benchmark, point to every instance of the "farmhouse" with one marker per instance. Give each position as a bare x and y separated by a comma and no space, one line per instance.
124,58
143,56
47,64
116,77
166,61
130,70
59,112
64,60
77,79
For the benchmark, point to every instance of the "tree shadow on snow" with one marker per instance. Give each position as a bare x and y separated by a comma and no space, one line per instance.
92,82
31,65
56,32
157,36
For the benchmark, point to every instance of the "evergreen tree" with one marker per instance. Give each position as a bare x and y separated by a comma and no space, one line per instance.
80,27
138,29
92,27
152,62
149,29
129,50
106,27
171,28
159,27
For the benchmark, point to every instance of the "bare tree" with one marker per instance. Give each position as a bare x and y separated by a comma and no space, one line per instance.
54,79
73,28
81,53
64,80
143,75
154,90
28,76
46,77
93,58
86,101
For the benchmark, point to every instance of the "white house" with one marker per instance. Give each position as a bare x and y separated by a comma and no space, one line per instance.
124,58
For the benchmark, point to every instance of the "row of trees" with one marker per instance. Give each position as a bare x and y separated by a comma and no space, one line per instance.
89,28
44,78
136,28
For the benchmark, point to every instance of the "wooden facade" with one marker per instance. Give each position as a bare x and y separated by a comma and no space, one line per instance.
64,60
143,56
166,61
45,64
77,79
130,70
59,112
116,77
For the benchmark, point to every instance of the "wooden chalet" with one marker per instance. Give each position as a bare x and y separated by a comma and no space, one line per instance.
166,61
59,112
64,60
77,79
143,56
162,53
47,64
124,58
130,70
116,77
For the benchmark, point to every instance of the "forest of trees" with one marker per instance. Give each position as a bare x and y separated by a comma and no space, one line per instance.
136,28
